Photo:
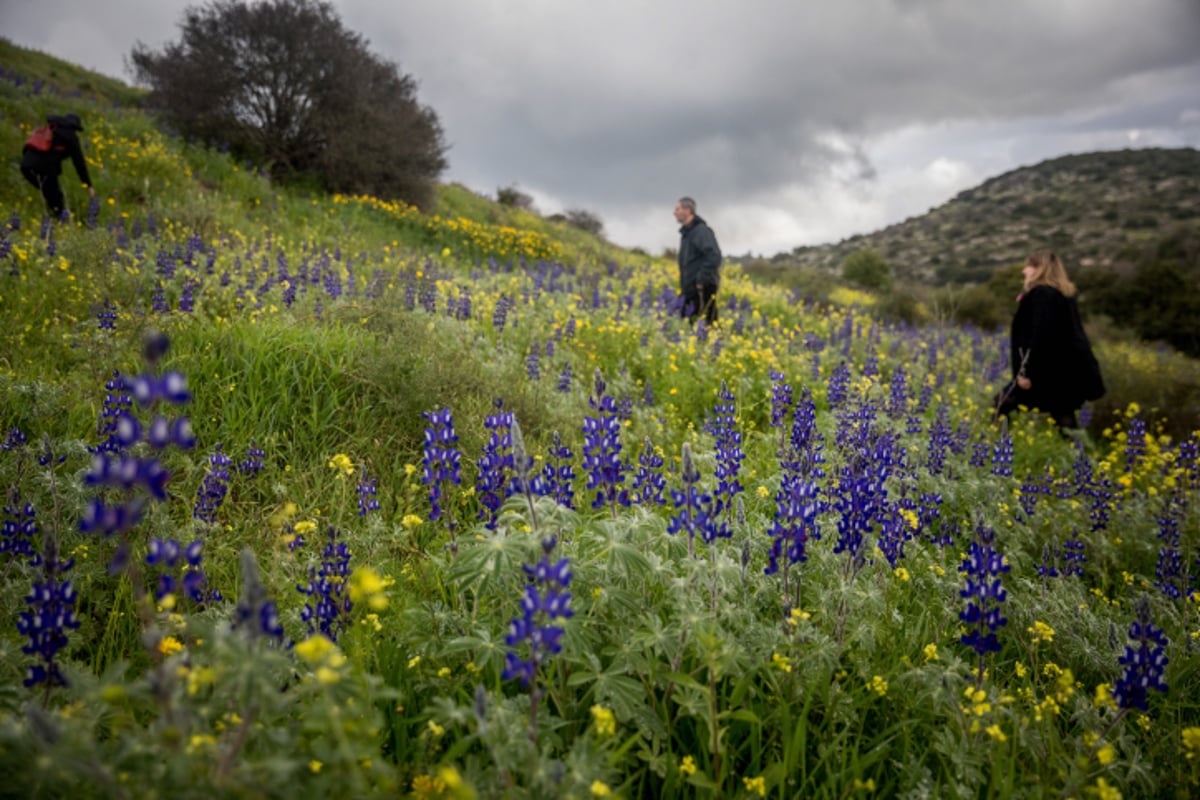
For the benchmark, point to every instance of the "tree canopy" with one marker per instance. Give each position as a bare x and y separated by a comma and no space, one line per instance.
285,82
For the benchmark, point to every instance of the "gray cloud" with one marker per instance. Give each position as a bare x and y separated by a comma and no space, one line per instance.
792,122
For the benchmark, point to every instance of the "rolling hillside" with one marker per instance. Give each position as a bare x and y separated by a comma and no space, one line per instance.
1094,208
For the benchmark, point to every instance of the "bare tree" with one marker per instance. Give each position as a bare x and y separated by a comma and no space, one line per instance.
284,81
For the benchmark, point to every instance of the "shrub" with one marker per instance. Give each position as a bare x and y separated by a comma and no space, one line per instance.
868,269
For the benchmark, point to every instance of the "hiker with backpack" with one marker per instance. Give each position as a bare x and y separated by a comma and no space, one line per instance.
45,150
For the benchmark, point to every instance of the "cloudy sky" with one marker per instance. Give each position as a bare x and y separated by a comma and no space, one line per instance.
791,123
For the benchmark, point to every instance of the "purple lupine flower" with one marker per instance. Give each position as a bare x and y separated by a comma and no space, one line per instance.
649,483
730,455
839,385
252,464
1145,661
441,458
984,594
494,466
795,521
20,529
871,365
106,317
328,604
50,615
1002,454
1135,443
1073,556
158,301
256,615
368,494
897,404
187,296
695,512
980,454
118,404
1048,567
213,488
1169,574
564,379
179,569
500,312
648,395
534,634
14,440
558,474
115,468
532,363
895,530
602,450
1101,493
802,454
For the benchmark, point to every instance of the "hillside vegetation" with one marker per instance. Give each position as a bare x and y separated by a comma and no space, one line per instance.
1095,209
313,495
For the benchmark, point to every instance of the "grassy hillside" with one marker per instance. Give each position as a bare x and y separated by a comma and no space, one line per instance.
1094,209
455,505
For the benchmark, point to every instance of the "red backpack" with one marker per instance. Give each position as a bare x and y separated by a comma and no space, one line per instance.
42,139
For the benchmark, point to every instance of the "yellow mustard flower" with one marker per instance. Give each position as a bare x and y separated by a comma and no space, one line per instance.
604,720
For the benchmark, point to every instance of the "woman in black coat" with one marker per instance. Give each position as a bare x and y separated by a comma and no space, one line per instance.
1053,367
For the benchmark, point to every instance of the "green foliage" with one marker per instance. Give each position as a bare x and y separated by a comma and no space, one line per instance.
284,82
868,269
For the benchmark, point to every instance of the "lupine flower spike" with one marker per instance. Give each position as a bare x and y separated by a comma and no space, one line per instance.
535,632
984,594
1145,661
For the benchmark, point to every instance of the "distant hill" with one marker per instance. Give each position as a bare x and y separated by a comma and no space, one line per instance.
1094,209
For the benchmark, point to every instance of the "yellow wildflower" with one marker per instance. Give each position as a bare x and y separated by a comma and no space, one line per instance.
1103,791
600,789
930,652
1191,742
366,584
435,729
169,646
756,786
314,649
997,734
902,574
879,686
1105,755
343,464
1041,632
315,766
688,765
603,719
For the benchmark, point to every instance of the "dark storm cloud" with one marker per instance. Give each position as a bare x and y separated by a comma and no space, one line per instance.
621,106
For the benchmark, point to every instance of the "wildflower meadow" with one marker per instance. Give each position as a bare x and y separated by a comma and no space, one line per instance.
318,496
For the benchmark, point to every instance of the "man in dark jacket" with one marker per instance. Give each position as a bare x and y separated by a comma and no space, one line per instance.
699,262
42,168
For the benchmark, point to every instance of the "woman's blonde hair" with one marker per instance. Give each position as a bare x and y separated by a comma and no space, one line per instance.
1048,271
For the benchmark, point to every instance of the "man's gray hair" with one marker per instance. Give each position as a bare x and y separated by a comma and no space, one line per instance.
688,203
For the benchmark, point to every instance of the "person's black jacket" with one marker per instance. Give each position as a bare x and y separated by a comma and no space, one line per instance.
699,255
1058,357
66,145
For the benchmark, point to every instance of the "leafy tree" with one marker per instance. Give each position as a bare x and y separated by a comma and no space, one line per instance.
284,82
514,197
586,220
868,269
